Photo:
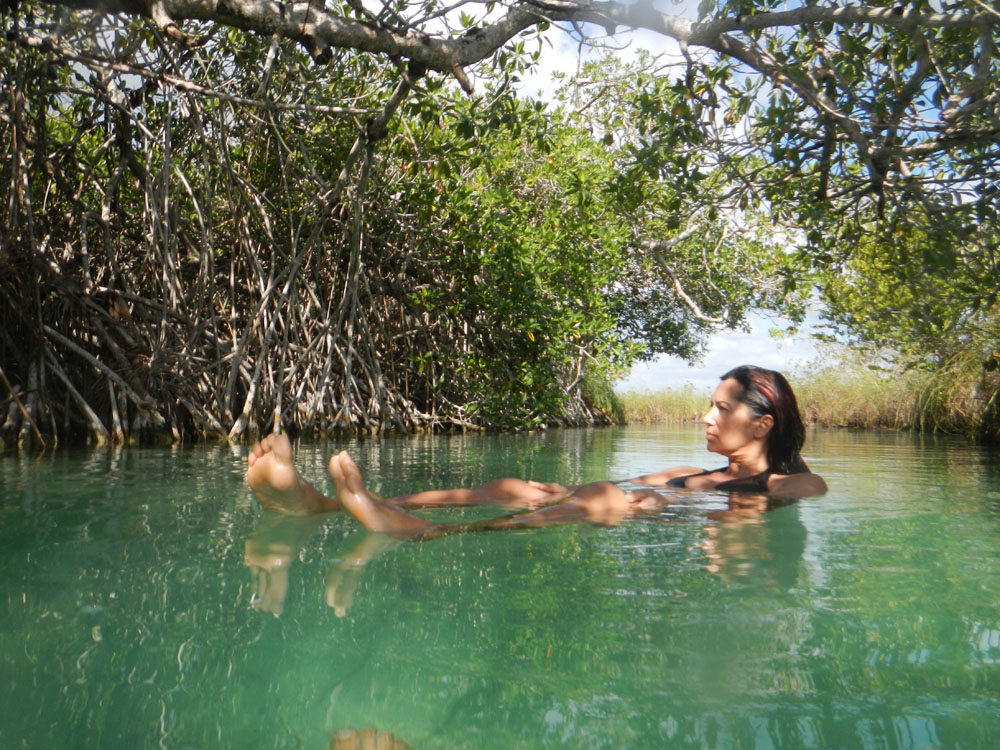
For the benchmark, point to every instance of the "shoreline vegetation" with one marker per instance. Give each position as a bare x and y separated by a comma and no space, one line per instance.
211,263
947,400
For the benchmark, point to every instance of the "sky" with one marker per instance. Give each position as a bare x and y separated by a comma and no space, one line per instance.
562,52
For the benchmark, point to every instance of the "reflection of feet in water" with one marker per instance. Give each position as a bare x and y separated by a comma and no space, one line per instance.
366,739
341,583
269,553
275,481
270,587
373,513
342,580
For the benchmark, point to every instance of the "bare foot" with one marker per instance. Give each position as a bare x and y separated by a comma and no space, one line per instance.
373,513
275,481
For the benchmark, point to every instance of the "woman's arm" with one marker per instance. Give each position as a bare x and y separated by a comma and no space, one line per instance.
660,478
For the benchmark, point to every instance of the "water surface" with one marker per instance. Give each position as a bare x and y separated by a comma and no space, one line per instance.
869,618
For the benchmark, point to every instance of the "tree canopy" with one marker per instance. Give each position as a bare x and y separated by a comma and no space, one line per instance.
873,102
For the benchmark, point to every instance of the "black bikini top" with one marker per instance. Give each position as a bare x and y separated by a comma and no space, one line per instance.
756,483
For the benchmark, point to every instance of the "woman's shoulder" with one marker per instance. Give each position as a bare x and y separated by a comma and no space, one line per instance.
799,484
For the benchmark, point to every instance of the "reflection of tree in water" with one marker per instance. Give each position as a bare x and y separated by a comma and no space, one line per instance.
915,462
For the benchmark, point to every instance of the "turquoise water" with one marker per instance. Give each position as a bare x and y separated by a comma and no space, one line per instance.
869,618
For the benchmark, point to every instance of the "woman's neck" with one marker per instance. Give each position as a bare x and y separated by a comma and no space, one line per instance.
747,463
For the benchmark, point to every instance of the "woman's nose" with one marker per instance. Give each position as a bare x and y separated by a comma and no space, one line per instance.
708,417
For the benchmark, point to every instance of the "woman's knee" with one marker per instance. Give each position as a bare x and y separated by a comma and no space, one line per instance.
509,486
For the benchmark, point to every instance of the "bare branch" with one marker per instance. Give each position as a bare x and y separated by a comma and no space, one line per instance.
311,25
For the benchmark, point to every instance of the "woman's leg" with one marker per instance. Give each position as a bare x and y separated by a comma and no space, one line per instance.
374,513
275,481
272,475
601,503
516,493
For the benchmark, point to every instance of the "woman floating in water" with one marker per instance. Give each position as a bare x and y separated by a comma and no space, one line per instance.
753,421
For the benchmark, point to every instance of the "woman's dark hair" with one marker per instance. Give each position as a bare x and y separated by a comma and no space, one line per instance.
767,392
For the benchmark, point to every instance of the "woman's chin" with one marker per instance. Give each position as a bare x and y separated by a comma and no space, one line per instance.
712,446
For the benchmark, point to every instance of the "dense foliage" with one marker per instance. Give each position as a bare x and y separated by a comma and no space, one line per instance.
932,307
235,255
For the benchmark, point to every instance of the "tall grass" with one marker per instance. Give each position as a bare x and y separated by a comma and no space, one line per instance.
864,389
860,397
674,405
963,396
958,396
842,389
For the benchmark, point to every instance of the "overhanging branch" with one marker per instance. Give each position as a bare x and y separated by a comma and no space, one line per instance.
304,22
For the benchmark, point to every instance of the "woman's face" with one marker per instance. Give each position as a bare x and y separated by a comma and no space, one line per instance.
729,424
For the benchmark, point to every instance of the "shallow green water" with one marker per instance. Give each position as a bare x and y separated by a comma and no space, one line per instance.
869,618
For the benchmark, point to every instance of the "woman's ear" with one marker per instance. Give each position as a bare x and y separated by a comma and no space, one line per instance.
763,425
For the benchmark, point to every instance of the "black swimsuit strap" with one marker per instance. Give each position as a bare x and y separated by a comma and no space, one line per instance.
682,481
755,483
